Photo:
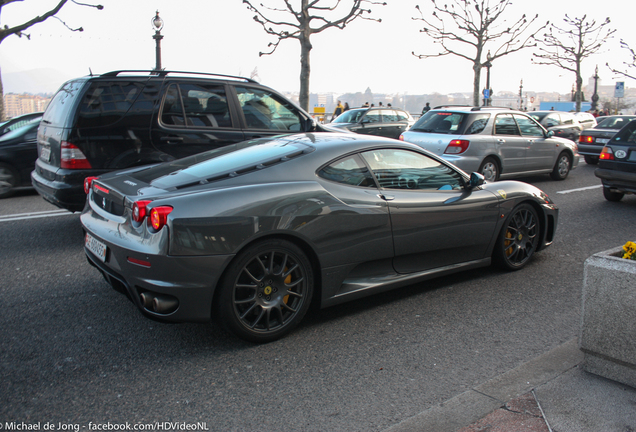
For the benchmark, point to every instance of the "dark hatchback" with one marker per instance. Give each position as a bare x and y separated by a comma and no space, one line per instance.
124,119
617,164
592,140
18,152
386,122
563,124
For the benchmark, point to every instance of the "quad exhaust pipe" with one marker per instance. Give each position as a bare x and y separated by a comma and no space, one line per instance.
159,303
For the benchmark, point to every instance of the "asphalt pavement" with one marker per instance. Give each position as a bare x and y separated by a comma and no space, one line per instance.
551,393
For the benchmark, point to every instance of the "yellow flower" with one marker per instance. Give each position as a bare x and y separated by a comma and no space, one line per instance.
630,250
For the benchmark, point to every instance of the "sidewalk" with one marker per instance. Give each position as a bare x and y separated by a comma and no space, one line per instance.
550,393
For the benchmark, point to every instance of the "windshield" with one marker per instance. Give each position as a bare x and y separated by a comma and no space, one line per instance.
20,131
441,122
227,161
351,116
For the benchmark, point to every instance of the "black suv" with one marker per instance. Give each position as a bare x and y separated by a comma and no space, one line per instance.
617,164
122,119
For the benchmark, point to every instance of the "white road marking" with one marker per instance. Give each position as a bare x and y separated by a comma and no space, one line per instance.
580,189
34,215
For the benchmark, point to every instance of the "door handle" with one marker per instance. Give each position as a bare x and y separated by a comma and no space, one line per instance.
171,139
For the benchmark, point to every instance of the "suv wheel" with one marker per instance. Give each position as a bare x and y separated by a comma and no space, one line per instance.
489,169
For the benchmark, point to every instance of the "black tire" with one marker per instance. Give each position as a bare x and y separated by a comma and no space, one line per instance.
562,167
518,239
612,196
265,291
8,180
489,169
591,160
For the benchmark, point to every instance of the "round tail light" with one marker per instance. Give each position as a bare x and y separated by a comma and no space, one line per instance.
159,216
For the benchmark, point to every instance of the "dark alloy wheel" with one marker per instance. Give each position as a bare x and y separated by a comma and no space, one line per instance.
561,167
8,180
611,195
266,291
518,239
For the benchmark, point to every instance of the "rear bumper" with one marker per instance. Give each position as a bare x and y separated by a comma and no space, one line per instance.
620,180
191,280
590,149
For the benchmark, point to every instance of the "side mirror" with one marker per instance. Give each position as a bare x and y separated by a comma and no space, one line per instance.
310,125
550,134
476,179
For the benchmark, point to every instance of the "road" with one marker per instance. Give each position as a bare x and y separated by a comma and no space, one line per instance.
75,352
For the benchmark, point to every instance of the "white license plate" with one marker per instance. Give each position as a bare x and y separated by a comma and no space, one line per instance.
602,140
95,246
45,154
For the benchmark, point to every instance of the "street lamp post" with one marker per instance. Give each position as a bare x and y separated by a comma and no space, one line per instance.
521,95
157,24
595,97
487,91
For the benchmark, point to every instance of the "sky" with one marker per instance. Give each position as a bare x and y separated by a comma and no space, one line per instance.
220,36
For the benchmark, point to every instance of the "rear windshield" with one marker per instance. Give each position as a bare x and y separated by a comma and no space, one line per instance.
441,122
613,122
61,106
106,102
228,161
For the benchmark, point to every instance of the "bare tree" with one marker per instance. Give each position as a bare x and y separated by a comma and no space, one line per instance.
295,22
18,30
465,28
629,65
566,47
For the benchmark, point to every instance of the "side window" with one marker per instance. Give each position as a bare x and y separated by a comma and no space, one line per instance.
401,116
505,125
107,102
265,110
528,126
567,119
552,120
196,106
479,124
372,117
350,171
404,169
388,116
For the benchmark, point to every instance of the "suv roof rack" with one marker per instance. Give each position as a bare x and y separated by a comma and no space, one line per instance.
472,108
163,73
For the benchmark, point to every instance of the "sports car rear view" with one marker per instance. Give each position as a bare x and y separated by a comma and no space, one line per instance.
252,233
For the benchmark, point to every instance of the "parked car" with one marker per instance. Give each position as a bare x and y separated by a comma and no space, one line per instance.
18,152
586,119
18,122
563,124
592,141
386,122
123,119
617,164
496,142
252,233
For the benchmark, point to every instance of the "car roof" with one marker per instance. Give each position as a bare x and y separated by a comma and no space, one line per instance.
468,109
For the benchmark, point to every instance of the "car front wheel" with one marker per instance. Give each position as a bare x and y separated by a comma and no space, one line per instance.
562,167
518,239
266,291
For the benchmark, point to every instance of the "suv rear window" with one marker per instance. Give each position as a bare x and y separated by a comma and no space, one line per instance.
61,105
107,102
442,122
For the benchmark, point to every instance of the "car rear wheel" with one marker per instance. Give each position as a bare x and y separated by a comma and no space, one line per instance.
266,291
8,180
591,160
562,167
612,196
518,239
489,169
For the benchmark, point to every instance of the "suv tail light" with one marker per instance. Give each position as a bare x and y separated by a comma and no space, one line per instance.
72,157
88,182
159,216
457,147
606,154
139,210
586,139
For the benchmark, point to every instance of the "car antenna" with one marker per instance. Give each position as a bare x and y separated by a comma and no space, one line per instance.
90,72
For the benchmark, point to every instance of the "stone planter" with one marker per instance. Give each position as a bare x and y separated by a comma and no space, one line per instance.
608,330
